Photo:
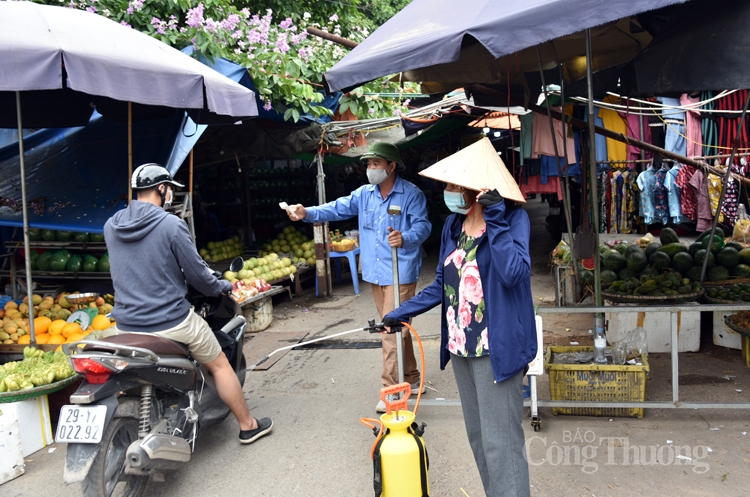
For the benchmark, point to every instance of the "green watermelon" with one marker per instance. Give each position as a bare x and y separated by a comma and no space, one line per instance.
693,274
632,249
606,277
695,247
90,264
614,261
659,260
625,274
586,277
717,273
727,257
719,232
74,264
621,247
741,270
652,247
58,261
736,246
698,258
717,245
682,262
745,256
637,262
668,236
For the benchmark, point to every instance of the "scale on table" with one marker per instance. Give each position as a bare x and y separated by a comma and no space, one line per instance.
84,316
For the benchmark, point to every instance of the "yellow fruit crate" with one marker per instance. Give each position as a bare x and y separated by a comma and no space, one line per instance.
595,382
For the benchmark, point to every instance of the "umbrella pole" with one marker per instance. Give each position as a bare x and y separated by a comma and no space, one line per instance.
599,318
27,253
565,191
727,177
130,150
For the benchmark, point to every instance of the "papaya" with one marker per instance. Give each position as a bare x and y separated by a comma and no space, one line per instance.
668,236
727,257
672,249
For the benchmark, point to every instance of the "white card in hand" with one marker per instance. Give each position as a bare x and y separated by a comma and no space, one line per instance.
284,206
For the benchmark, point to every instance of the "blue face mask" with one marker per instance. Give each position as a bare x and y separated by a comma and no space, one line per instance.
455,202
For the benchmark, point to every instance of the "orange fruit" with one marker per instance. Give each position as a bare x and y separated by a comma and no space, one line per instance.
42,338
56,339
24,340
59,348
70,329
101,322
41,324
55,328
75,337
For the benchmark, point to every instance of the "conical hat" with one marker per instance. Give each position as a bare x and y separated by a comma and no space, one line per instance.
476,167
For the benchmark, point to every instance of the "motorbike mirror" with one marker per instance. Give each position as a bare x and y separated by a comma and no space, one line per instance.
236,264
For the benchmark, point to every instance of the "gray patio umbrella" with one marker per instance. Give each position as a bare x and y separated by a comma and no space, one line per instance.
63,63
465,41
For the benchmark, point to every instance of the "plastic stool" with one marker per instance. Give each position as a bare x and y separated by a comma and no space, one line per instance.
352,256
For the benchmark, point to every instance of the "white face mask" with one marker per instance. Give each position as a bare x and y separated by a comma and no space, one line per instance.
377,176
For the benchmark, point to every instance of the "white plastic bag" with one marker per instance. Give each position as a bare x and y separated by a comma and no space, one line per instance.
741,226
637,343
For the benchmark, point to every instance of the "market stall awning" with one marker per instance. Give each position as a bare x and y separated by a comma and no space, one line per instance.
466,41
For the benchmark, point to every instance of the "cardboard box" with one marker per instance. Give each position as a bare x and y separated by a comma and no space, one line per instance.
34,422
11,455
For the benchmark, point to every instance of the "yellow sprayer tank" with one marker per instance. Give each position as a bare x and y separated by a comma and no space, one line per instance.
403,457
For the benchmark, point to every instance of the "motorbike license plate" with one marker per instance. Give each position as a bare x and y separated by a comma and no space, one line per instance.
81,424
553,211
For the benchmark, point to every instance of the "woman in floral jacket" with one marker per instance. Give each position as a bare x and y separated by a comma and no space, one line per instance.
483,283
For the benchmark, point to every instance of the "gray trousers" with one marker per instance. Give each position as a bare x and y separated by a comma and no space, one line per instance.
493,414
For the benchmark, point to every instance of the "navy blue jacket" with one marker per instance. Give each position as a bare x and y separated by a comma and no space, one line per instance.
505,269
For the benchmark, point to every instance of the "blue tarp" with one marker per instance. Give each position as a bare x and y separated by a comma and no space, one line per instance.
76,178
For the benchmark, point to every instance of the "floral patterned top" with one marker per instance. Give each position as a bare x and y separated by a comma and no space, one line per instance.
463,299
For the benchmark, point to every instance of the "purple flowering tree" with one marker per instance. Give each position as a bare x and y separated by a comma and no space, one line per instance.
285,63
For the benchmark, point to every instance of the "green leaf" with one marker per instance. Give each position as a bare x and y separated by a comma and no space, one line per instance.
479,348
288,114
472,255
295,114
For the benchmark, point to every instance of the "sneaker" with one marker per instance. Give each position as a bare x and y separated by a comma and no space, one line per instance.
415,388
381,405
265,425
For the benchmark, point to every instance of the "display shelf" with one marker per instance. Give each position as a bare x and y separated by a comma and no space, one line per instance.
93,246
94,275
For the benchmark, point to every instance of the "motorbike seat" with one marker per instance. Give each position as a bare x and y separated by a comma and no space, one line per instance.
156,344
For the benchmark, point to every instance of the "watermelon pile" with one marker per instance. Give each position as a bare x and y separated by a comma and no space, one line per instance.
668,268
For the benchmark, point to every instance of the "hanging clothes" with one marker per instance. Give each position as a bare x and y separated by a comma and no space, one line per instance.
693,132
603,186
687,194
532,167
527,130
635,130
542,143
633,221
709,126
673,195
646,182
702,203
534,185
714,194
674,121
616,150
660,196
732,198
601,141
727,123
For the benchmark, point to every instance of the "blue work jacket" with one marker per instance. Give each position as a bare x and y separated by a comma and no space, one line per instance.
505,269
374,220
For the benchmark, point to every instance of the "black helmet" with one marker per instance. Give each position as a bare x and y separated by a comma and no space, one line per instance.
150,175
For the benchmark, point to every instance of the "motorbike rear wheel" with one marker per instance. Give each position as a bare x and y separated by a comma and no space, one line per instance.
107,477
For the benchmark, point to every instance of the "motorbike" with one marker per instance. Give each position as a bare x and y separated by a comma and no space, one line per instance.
143,403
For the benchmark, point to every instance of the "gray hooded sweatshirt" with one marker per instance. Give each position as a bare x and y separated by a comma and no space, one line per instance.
152,258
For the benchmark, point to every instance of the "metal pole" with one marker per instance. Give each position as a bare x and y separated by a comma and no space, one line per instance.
320,231
592,172
393,212
566,198
130,149
27,253
727,176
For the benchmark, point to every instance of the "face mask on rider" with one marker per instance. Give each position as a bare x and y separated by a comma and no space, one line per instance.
455,202
377,176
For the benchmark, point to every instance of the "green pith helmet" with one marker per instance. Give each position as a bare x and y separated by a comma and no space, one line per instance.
387,151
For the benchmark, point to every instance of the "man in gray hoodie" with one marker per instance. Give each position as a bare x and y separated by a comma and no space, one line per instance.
152,259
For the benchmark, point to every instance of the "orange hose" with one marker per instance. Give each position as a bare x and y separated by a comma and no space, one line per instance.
366,421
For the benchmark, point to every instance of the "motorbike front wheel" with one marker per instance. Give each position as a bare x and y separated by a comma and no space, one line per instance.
107,476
